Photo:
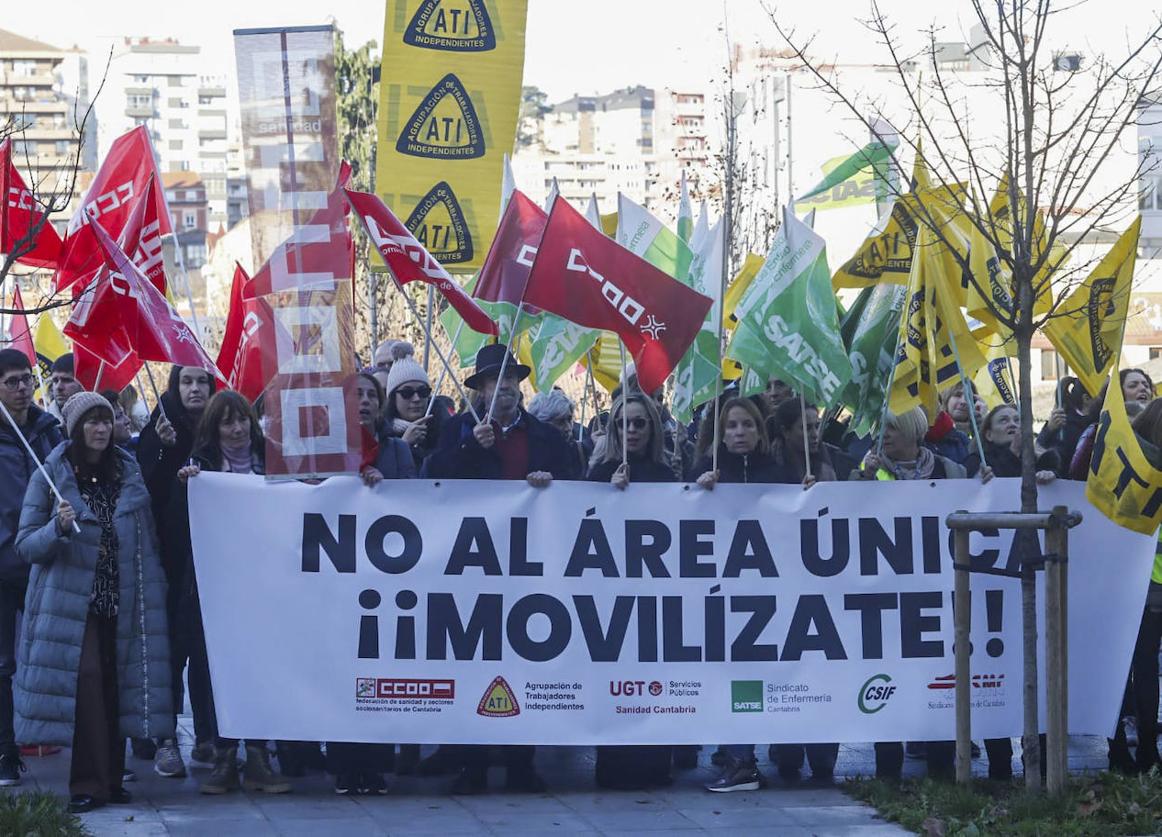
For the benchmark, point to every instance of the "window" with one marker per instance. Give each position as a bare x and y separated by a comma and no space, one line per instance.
1155,352
62,147
1148,192
175,145
138,101
141,79
24,68
1049,365
189,220
191,195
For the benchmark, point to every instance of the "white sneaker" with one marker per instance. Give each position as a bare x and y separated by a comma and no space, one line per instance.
168,762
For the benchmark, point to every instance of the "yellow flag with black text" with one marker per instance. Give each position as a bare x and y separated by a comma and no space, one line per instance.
1088,327
449,98
1122,484
933,332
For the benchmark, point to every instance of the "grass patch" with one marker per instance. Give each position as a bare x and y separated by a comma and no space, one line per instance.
38,814
1102,804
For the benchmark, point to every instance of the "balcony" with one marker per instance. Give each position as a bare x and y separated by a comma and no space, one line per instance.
140,111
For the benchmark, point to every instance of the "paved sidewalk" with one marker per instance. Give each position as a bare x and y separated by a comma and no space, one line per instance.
420,807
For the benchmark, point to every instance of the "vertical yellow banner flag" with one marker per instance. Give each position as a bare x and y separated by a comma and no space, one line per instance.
449,98
1122,483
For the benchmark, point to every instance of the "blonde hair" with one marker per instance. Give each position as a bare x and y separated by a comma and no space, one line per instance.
911,425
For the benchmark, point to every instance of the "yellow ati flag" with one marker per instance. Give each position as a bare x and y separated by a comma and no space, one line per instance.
1122,484
449,100
1088,326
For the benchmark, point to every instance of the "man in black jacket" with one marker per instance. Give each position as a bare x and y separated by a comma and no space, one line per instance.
43,433
513,445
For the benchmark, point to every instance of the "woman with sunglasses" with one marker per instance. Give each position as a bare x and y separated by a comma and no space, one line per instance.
633,767
405,413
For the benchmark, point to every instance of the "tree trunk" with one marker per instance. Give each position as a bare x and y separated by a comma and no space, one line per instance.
1030,740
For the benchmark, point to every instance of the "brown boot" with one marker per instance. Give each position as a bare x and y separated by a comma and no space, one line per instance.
258,775
224,777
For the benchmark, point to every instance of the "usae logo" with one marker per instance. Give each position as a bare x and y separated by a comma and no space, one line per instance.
444,126
438,223
498,700
451,25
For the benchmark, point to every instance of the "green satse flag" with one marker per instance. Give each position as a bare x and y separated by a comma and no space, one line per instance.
697,374
870,331
873,154
466,342
788,326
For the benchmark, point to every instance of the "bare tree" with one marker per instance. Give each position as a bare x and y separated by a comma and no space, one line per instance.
1059,133
50,191
1060,130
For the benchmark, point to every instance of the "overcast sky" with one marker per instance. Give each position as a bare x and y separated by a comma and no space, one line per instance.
573,46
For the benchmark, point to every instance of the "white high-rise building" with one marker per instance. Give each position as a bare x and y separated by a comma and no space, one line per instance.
159,83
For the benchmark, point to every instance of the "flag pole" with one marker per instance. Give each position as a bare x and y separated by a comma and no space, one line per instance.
624,410
581,424
806,447
439,352
428,328
504,361
969,392
39,464
444,371
97,380
888,397
156,394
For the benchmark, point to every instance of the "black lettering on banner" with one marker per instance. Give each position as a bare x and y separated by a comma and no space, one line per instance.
473,548
674,648
749,551
560,627
483,632
715,620
914,624
439,224
647,629
444,126
874,541
318,537
930,545
692,545
984,559
815,563
746,647
1127,475
409,555
462,26
604,646
519,565
871,607
591,551
811,610
641,554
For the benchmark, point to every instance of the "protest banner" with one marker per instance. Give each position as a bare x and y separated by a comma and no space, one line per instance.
448,105
459,611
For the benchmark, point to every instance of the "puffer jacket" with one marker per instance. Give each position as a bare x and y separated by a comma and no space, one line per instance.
43,434
57,607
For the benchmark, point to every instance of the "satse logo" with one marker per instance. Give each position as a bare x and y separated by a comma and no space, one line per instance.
875,693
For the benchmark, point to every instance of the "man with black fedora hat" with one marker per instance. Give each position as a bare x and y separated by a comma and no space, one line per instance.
512,445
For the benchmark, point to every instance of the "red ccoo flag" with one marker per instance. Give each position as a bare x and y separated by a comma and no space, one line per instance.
119,183
586,277
505,271
249,330
410,262
155,329
24,224
102,348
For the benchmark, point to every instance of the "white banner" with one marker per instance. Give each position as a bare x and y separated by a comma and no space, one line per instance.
497,613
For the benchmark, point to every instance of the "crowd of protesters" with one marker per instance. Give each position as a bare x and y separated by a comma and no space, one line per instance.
101,625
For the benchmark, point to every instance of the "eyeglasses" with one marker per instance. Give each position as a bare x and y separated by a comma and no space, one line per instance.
408,393
638,423
17,381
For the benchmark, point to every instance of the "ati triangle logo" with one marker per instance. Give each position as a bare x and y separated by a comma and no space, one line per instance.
444,126
498,700
1099,310
438,223
451,25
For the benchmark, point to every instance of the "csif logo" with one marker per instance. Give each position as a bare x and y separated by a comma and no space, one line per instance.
875,693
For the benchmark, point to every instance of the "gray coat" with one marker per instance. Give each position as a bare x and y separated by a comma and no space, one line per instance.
57,607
